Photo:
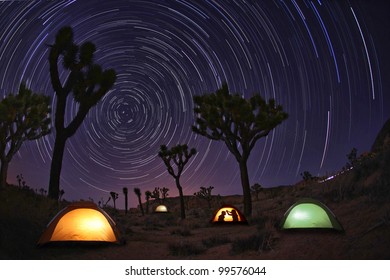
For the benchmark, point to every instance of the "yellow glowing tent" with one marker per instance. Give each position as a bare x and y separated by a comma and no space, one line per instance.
81,221
228,214
161,209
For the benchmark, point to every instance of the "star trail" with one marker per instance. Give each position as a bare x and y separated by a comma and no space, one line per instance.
323,61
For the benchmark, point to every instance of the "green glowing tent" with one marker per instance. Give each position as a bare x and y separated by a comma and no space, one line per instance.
309,213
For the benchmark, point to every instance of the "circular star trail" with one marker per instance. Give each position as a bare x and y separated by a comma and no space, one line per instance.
323,61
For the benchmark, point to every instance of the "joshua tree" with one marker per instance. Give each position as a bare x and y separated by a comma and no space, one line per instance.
137,191
88,83
25,116
61,194
164,194
114,197
148,195
239,123
205,193
179,156
256,189
125,192
19,177
156,194
306,176
352,158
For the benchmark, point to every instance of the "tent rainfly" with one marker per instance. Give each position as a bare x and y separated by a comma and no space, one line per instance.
81,222
161,209
228,214
309,213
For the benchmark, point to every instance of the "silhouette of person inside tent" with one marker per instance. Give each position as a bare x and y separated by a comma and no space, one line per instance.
234,215
221,217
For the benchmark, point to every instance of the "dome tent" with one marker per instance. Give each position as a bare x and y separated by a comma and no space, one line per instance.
81,221
161,209
309,213
228,214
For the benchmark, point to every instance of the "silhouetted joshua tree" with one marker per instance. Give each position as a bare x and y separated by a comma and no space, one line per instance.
61,194
352,158
306,176
205,193
85,80
175,159
148,195
239,123
156,195
114,197
125,192
256,189
137,191
19,177
164,194
25,116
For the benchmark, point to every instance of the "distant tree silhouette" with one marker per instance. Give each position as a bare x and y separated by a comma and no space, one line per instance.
125,192
88,83
239,123
19,177
352,158
306,176
24,116
175,159
148,195
114,197
137,191
61,194
205,193
164,194
256,189
156,194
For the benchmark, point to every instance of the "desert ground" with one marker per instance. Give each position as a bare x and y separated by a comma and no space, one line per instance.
359,197
364,214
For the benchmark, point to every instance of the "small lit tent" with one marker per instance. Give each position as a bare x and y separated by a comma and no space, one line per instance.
228,214
309,213
161,209
81,221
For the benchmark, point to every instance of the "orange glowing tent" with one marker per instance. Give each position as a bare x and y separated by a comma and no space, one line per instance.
228,214
81,222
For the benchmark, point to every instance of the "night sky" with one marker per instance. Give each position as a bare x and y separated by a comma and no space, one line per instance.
325,62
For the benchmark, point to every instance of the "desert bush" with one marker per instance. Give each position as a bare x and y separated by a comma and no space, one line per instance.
215,241
185,231
185,249
260,242
259,221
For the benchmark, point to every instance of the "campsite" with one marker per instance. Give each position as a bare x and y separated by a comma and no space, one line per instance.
194,130
358,199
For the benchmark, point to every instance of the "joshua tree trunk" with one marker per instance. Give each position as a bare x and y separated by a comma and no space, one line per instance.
246,188
56,166
140,205
126,206
3,173
182,209
62,135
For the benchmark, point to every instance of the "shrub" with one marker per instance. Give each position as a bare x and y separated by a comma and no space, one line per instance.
257,242
185,249
181,231
215,241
